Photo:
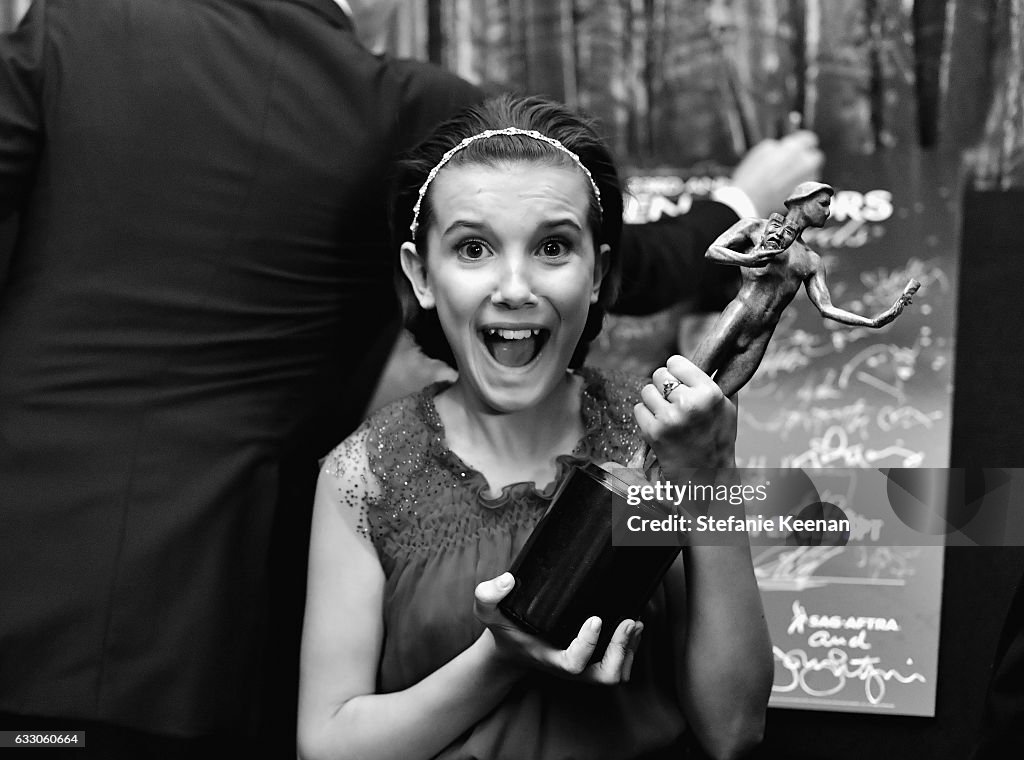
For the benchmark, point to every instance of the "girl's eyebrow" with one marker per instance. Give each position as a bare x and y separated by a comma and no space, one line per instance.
465,224
461,224
561,222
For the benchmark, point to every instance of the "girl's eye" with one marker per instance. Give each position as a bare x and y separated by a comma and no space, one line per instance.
553,249
472,250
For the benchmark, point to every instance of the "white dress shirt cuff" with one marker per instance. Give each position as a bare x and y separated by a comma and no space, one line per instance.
735,199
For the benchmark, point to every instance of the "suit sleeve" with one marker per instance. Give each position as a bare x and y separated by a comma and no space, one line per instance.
21,57
663,262
430,95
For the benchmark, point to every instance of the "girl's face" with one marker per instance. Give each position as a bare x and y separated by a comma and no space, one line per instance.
512,271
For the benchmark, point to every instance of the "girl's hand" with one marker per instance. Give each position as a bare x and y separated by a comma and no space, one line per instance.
686,420
519,648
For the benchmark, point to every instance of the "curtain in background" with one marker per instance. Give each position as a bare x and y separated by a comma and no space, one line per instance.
675,82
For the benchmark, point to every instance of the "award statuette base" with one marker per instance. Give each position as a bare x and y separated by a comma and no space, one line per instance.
569,570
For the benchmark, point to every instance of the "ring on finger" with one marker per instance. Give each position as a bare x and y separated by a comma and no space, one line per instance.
668,387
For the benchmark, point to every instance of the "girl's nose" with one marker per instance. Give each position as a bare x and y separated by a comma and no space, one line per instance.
514,288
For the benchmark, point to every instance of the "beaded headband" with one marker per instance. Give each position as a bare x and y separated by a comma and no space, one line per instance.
531,133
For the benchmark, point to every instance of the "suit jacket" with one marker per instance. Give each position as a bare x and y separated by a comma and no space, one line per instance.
201,258
201,270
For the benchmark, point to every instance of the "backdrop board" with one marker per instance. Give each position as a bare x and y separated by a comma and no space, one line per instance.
854,628
829,396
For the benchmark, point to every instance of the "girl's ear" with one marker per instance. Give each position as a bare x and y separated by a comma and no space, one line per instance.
415,268
601,263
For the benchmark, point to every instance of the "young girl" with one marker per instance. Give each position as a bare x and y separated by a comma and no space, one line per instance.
513,212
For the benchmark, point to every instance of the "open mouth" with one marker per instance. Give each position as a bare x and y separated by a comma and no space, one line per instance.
514,348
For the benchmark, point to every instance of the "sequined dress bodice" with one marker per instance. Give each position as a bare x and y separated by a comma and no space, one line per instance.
438,533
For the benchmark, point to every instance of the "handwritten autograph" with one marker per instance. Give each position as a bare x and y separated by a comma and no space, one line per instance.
834,448
838,668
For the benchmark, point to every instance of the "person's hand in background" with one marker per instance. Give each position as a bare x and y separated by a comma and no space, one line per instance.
771,169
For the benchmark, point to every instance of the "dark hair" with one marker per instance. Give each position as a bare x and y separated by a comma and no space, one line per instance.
575,132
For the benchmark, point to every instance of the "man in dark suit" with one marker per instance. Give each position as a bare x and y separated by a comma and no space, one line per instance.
194,310
201,264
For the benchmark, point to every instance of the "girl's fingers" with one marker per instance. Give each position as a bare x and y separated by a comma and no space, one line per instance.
612,666
574,659
687,372
634,643
653,398
644,421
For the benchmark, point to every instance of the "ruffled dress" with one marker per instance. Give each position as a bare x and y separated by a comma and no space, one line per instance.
438,534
